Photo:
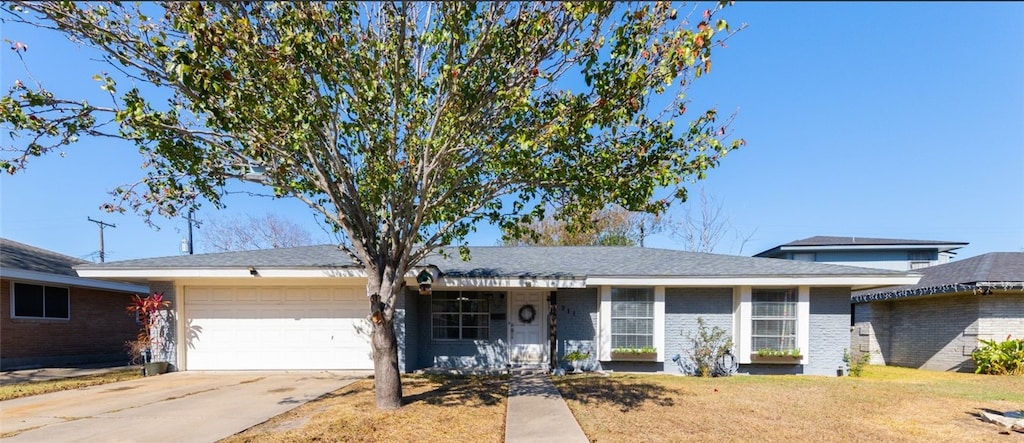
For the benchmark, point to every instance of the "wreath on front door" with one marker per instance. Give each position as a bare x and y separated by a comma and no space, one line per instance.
527,313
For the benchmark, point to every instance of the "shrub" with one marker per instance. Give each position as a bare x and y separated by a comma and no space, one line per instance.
855,365
710,347
1006,358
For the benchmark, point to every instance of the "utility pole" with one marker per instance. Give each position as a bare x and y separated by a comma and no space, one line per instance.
101,225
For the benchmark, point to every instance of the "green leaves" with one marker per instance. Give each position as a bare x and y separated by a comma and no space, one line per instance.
404,124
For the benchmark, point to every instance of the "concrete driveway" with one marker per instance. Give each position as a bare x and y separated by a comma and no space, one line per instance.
179,406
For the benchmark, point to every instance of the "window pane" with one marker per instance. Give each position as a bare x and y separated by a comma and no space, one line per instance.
774,343
632,294
632,341
28,300
774,327
56,302
774,309
632,317
474,333
445,320
475,320
460,315
774,315
475,306
446,333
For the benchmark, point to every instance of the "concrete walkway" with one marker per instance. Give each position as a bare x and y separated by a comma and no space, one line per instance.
537,412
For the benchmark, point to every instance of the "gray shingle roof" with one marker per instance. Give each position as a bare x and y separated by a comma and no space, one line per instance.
491,261
832,242
15,255
1004,268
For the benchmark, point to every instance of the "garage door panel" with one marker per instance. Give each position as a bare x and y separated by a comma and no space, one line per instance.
277,328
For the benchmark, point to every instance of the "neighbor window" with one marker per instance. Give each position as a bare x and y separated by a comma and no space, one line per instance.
774,319
632,318
458,315
38,301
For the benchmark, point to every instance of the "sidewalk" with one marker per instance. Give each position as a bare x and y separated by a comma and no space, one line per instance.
537,412
42,374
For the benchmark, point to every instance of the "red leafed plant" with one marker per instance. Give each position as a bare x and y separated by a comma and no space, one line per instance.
146,309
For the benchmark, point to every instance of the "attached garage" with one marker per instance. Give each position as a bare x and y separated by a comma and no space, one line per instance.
275,328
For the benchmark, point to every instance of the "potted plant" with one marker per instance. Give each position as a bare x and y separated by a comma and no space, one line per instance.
784,356
646,353
147,310
576,358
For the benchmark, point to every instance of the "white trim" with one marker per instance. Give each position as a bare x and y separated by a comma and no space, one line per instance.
604,318
803,322
167,274
854,282
69,280
743,295
659,321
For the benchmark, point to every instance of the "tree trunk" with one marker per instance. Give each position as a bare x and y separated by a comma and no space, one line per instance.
383,290
386,382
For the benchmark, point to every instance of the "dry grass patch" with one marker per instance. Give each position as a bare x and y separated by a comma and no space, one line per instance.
436,408
25,389
887,404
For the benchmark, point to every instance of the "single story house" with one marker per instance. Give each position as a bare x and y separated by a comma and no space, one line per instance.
936,323
879,253
52,317
306,308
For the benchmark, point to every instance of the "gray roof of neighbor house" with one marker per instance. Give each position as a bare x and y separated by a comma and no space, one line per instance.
492,261
29,263
15,255
987,272
832,242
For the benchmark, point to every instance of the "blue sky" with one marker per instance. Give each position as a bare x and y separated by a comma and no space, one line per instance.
895,120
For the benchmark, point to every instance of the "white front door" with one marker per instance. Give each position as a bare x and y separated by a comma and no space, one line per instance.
528,343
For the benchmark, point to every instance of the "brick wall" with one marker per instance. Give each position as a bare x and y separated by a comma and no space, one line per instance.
97,329
577,324
935,333
870,333
829,329
166,329
462,354
682,307
1001,314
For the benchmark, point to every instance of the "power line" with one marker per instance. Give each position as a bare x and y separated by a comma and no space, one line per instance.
101,225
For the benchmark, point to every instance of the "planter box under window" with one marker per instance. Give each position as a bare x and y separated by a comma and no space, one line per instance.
635,356
776,359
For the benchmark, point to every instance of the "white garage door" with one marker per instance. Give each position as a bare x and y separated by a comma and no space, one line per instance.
276,328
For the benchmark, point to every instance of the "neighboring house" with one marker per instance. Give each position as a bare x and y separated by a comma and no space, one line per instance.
51,316
936,323
878,253
306,308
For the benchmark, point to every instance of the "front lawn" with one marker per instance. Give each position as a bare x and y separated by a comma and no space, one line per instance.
436,408
886,404
25,389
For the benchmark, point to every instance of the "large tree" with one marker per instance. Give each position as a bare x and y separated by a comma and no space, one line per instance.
612,226
249,232
402,123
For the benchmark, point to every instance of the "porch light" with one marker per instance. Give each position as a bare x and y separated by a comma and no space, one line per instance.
424,279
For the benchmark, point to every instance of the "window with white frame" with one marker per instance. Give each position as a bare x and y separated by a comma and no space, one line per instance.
632,318
774,319
459,315
39,301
